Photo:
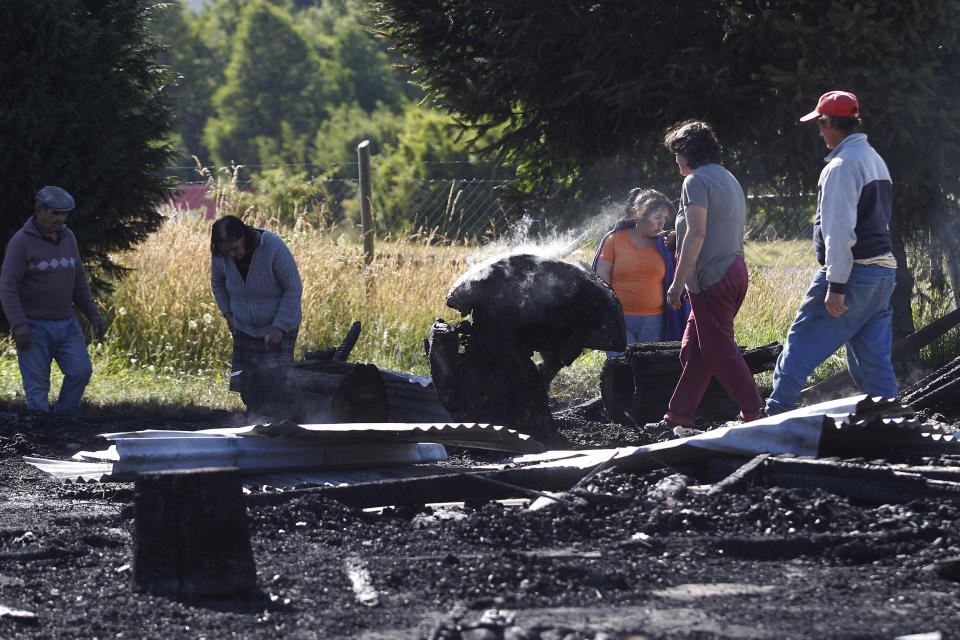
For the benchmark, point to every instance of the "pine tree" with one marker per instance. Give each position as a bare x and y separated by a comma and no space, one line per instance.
83,107
585,90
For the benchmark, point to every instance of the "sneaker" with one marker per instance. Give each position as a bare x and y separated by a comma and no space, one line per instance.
750,417
685,432
663,430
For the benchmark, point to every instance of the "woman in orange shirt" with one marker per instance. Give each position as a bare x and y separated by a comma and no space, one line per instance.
635,261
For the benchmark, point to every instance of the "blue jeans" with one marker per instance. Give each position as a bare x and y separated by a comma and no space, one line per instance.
866,328
60,340
642,329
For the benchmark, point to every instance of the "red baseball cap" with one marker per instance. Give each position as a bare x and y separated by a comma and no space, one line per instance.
840,104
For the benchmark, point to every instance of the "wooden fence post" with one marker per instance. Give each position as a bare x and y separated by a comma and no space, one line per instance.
366,215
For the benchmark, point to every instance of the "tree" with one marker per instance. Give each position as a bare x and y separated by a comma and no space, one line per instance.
199,71
84,107
584,90
272,98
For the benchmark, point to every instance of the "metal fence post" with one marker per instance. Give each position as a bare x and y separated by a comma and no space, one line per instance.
366,217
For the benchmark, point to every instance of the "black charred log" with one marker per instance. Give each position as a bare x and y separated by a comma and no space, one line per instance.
637,386
300,395
191,536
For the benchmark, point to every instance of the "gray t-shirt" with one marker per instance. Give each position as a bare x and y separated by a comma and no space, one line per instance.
716,190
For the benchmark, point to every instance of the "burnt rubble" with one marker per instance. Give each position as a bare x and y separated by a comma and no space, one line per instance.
938,391
518,306
637,386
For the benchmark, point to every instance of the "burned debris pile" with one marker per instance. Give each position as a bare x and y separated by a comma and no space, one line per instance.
938,391
637,386
519,306
324,388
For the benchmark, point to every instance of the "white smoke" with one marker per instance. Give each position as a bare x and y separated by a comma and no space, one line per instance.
550,242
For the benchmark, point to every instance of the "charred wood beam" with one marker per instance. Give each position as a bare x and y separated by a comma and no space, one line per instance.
738,477
861,482
939,391
349,342
341,353
848,547
509,483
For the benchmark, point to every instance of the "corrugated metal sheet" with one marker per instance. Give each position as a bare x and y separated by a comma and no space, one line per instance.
311,451
480,436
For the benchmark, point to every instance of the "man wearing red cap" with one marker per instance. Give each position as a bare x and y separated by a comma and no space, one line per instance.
848,302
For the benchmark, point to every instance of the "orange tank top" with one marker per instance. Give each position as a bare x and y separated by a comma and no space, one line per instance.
637,274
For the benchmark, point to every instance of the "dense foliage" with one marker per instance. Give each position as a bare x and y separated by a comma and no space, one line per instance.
283,92
579,84
83,107
583,91
272,82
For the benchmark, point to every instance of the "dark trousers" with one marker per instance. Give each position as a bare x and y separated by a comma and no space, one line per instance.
708,350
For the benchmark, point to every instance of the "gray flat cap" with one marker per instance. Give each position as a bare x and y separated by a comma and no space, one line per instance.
55,198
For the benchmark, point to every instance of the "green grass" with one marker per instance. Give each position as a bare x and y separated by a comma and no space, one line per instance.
167,348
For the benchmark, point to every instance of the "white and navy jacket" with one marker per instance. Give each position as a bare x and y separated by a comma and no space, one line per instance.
854,200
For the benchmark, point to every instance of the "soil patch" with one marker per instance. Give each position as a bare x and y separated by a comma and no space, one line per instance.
655,560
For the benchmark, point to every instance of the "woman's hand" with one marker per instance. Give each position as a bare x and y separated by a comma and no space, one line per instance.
673,295
273,337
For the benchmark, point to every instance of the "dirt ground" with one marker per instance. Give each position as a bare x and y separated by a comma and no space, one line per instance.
655,561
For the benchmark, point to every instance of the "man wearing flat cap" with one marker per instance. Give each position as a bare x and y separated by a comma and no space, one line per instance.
41,277
848,302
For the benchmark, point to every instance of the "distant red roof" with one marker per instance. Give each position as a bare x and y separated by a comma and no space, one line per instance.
193,196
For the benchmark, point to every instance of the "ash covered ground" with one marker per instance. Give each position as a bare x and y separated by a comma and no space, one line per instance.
647,558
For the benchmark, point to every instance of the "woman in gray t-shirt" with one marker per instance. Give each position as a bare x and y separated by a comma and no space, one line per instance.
710,267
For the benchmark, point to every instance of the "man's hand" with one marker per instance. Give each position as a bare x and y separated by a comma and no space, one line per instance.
23,337
272,337
835,305
229,318
673,295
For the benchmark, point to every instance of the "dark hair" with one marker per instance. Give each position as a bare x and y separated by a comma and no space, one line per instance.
641,201
231,229
695,140
847,125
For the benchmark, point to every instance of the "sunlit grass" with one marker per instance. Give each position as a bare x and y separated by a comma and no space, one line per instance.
167,345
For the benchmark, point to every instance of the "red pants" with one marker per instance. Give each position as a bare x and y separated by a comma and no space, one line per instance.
709,350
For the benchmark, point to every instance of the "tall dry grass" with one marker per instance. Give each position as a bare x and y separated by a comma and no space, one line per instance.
164,312
168,344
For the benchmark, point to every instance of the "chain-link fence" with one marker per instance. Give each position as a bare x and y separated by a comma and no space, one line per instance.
469,205
456,201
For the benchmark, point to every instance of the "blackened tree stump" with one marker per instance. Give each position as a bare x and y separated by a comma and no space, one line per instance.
191,537
637,386
519,305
